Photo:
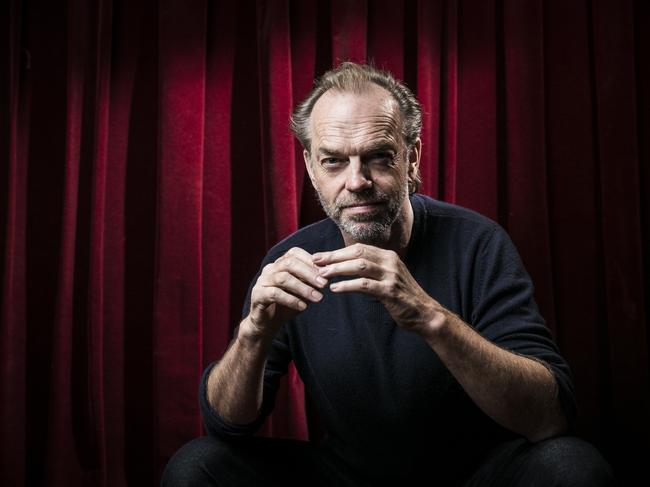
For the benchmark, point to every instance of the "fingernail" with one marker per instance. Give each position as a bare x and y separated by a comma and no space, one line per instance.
317,257
321,281
334,286
316,295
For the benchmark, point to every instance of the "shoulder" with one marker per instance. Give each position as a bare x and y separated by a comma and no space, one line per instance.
446,219
436,209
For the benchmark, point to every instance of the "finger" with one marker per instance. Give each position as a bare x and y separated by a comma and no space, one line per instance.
299,253
356,267
355,251
292,285
298,267
362,285
267,295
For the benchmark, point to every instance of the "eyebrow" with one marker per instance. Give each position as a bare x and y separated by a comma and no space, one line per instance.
324,151
378,146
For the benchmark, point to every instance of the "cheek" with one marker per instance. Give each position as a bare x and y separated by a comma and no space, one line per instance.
391,178
328,187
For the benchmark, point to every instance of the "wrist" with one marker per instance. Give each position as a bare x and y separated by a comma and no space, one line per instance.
438,324
251,335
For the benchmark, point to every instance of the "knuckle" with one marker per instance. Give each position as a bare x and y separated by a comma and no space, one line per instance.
304,289
362,264
358,249
365,283
392,288
281,278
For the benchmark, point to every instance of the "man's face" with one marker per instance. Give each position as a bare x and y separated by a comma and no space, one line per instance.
359,163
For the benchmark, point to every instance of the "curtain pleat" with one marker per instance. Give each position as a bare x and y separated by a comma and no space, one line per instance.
119,100
387,52
523,157
147,166
476,166
217,187
62,463
178,293
274,58
430,55
12,318
119,103
573,207
349,30
617,155
97,259
449,106
303,32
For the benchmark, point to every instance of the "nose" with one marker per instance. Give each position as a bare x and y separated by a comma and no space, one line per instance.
358,179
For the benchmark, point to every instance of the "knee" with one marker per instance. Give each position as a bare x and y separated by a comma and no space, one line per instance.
570,461
194,463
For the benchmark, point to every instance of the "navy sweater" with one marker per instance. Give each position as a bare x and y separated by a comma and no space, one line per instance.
389,405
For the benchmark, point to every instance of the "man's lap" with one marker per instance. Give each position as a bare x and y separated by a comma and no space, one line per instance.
209,461
252,461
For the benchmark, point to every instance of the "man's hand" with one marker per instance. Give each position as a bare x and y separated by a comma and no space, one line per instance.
382,273
283,290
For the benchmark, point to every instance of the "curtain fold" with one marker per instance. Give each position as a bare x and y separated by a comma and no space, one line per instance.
178,300
13,312
147,166
217,188
62,459
525,202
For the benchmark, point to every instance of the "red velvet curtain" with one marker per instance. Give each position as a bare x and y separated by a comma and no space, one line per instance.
147,166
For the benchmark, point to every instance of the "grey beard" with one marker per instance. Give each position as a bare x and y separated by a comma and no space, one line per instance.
372,228
371,233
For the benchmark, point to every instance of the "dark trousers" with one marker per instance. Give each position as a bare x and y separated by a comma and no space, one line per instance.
208,461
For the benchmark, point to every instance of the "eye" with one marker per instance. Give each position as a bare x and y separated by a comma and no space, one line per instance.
332,162
381,158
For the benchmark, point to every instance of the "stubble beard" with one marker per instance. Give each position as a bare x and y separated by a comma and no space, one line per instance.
373,228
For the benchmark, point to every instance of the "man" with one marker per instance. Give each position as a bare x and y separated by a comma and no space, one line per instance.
411,322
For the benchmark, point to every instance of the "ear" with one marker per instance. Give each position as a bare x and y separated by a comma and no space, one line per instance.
414,158
307,157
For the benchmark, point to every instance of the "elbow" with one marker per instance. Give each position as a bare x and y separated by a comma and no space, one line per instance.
550,428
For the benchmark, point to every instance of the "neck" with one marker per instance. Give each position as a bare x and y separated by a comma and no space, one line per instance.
399,235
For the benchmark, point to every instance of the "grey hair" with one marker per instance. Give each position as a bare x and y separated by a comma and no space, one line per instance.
355,77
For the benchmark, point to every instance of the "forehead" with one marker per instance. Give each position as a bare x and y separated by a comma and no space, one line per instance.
349,121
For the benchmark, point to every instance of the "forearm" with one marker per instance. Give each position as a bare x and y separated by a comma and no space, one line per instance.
517,392
283,289
235,384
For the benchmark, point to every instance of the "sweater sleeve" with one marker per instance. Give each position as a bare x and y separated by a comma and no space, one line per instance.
276,366
505,312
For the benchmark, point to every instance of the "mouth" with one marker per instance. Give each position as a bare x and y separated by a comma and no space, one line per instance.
364,207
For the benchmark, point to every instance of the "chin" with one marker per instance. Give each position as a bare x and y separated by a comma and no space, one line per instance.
371,233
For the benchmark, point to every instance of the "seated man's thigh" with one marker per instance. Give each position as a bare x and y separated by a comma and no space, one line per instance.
556,462
209,461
